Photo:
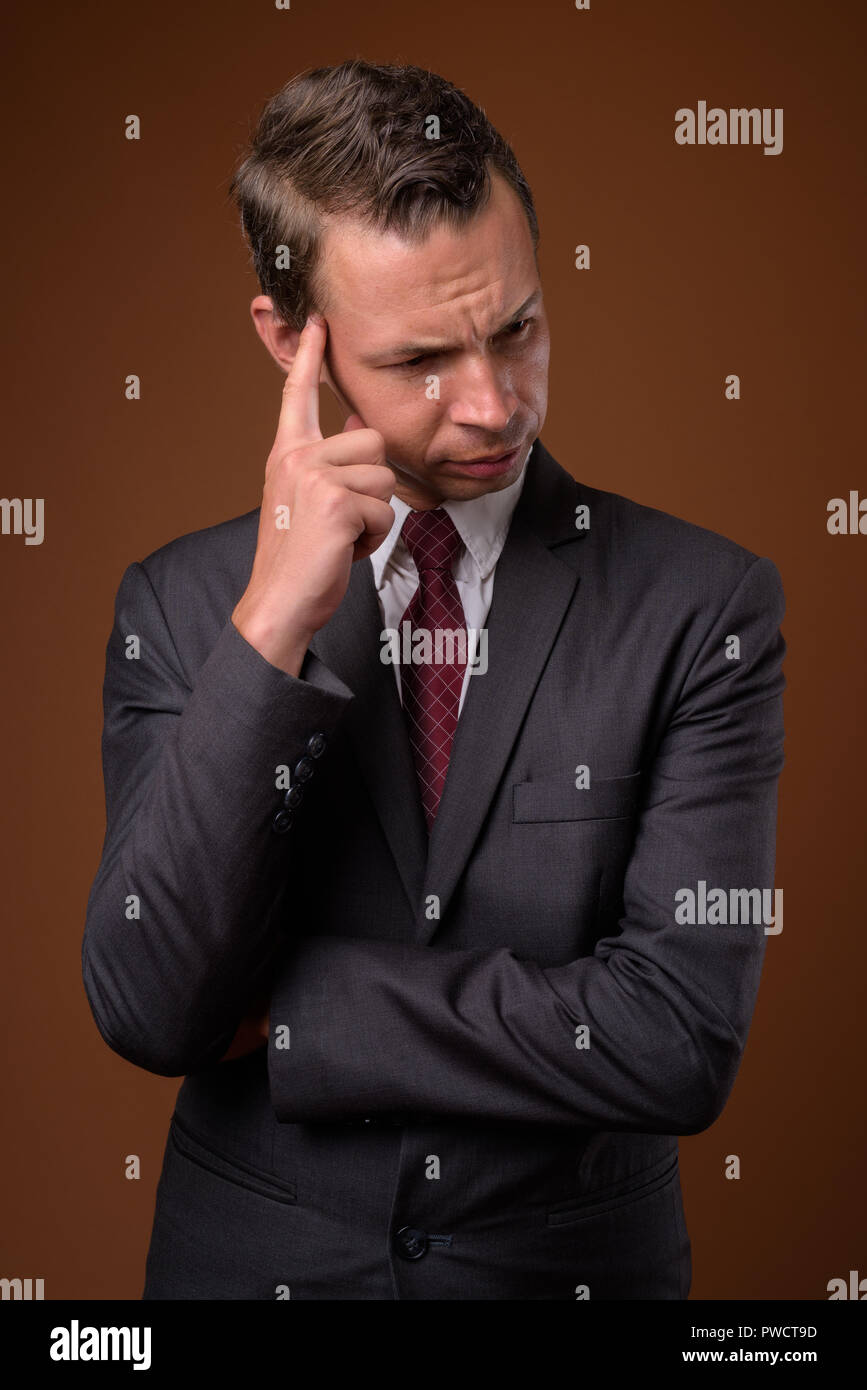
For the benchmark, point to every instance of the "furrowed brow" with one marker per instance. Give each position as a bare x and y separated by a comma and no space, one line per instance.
402,350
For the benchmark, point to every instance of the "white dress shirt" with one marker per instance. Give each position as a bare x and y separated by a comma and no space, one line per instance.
483,524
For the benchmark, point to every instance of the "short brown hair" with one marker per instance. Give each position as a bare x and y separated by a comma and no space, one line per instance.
352,140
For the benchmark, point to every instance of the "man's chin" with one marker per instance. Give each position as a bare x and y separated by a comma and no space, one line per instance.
454,482
455,487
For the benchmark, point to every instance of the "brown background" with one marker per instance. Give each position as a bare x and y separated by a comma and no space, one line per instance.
123,257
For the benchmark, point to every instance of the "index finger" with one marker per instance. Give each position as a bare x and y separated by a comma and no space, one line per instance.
299,412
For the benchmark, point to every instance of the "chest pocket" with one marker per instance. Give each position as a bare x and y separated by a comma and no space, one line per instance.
558,799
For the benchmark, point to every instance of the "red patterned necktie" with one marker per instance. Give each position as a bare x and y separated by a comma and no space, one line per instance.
431,690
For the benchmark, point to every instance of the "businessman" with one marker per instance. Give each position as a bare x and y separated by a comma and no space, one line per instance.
410,771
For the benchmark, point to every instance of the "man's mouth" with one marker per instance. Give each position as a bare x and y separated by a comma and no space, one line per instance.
485,465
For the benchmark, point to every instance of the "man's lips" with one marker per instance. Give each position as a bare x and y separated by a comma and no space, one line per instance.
486,463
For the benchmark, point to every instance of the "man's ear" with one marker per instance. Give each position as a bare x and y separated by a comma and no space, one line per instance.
280,338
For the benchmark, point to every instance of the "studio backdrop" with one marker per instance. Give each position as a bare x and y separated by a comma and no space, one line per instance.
703,273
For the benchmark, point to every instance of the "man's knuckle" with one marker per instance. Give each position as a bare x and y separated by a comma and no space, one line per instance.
332,499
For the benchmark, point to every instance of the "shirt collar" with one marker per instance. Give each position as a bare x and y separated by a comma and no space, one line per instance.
481,522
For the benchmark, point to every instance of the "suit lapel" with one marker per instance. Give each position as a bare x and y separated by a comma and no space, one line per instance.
532,591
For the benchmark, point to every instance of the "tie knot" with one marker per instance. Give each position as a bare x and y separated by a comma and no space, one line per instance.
432,539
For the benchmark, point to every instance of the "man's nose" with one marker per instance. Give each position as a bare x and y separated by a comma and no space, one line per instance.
480,397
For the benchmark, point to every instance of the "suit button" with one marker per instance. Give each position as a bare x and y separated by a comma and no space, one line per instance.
293,797
303,770
282,822
411,1244
316,745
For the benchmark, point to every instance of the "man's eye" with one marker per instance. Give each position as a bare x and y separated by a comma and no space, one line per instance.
514,330
410,362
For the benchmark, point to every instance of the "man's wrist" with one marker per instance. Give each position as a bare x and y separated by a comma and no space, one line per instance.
284,649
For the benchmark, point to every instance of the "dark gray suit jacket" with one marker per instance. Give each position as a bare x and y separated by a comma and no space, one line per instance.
438,1127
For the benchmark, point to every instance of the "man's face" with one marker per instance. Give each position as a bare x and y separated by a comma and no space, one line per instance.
464,308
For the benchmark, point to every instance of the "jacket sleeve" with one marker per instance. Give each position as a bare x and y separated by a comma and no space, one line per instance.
378,1027
183,917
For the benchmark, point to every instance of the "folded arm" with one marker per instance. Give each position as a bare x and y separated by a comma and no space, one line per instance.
381,1027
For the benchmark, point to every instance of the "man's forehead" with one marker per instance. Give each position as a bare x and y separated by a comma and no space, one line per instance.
480,266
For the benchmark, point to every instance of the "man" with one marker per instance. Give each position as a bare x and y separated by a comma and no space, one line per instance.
442,878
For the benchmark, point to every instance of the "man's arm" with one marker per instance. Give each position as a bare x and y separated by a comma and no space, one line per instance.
377,1026
183,917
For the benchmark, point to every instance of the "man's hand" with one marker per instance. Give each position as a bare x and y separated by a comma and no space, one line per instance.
336,491
252,1033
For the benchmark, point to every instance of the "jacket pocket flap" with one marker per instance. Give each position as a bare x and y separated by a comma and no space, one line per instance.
235,1170
557,798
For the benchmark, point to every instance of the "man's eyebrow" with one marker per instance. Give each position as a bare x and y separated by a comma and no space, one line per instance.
401,350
